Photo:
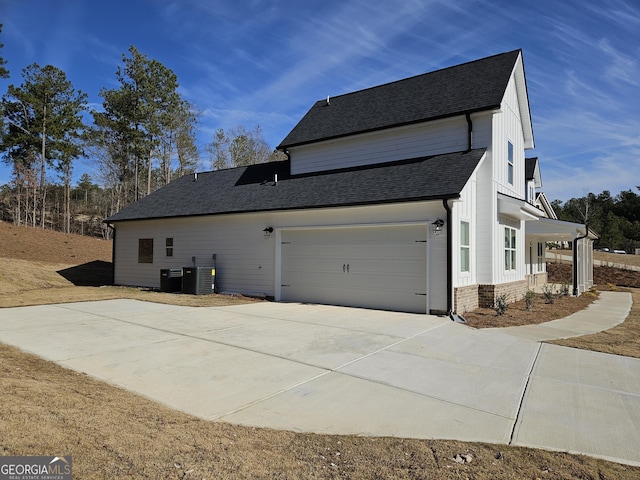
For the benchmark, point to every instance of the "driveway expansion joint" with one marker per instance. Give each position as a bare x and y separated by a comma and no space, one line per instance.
524,393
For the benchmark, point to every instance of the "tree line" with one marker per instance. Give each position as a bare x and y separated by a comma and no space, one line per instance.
615,219
141,139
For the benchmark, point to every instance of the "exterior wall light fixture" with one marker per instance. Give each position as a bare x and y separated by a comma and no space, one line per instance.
437,226
267,232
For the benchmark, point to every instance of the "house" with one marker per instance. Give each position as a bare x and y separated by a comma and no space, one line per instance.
412,196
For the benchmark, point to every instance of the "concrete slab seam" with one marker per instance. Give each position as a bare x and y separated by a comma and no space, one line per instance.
524,393
415,392
271,395
588,385
387,347
114,351
311,323
217,342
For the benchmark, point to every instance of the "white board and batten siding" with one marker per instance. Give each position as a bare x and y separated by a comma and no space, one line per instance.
507,127
411,141
464,210
247,262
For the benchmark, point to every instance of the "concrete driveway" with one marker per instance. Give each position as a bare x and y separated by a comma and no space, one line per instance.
339,370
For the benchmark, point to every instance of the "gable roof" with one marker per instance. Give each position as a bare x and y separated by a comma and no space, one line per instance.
253,189
532,171
471,87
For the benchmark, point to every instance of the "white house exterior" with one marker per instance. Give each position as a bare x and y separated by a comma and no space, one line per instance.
410,196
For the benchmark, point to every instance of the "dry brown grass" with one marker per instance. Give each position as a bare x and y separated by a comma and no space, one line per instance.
111,433
623,339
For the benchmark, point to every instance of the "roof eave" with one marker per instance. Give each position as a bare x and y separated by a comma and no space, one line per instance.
523,102
284,147
426,198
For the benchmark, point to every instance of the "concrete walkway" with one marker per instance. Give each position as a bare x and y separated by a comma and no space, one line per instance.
609,310
342,370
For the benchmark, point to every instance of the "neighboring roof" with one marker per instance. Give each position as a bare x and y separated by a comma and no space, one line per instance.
532,171
471,87
252,188
545,206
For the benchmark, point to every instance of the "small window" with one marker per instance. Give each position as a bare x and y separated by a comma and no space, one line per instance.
464,246
510,163
541,256
509,248
169,247
145,250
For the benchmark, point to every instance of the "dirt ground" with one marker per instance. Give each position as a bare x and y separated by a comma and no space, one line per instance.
111,433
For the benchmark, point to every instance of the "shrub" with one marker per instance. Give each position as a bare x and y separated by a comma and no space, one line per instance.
612,286
529,297
548,293
564,289
500,305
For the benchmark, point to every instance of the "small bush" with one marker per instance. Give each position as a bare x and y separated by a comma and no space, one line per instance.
593,292
548,293
500,305
612,286
564,289
529,297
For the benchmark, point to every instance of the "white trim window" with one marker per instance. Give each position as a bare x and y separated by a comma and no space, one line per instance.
541,255
464,247
510,163
509,248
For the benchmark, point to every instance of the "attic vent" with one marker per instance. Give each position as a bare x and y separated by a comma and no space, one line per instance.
328,103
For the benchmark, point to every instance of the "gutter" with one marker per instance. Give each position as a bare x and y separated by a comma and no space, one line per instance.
575,259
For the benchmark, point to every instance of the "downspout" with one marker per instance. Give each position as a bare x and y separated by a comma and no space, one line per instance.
445,203
469,132
113,255
575,259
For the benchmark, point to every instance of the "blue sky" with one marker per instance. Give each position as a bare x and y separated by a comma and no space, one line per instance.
249,62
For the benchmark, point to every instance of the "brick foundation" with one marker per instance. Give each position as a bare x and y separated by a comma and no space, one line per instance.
471,297
465,299
514,291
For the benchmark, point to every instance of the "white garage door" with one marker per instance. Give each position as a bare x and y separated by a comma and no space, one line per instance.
373,267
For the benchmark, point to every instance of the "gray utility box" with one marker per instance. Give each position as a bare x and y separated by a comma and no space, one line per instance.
198,280
171,280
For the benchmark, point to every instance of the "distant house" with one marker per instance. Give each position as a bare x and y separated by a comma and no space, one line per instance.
412,196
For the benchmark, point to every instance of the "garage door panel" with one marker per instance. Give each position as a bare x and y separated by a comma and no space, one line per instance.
374,267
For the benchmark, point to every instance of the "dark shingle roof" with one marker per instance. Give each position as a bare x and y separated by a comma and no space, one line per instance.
252,189
470,87
530,167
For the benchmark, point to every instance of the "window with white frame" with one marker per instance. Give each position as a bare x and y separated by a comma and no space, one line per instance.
509,248
510,163
464,246
541,258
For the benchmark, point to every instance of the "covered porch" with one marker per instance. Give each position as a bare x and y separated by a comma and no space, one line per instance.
578,237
